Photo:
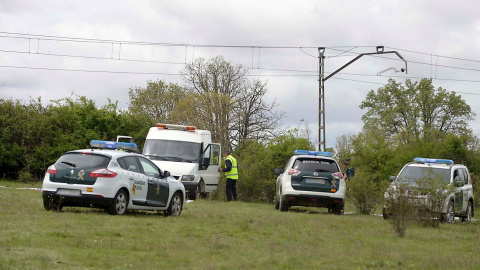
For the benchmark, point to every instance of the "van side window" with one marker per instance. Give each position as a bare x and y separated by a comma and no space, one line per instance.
215,156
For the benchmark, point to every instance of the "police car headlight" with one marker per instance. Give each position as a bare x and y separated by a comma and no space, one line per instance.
188,177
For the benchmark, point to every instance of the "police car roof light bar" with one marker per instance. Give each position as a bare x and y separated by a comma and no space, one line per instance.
177,127
312,153
114,145
433,160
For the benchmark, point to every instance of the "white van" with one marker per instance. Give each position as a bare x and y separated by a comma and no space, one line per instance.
188,154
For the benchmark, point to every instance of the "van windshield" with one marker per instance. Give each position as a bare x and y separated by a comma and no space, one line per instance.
177,151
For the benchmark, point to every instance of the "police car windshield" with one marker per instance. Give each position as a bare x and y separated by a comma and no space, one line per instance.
316,165
413,174
177,151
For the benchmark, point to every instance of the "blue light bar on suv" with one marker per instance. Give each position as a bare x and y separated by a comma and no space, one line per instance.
114,145
433,160
312,153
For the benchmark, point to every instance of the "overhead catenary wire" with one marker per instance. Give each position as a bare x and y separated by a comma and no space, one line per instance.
342,49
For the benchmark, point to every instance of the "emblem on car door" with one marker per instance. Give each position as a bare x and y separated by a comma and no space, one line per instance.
315,174
71,172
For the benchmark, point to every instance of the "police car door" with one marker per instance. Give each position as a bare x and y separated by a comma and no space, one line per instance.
209,164
466,187
459,182
158,188
136,179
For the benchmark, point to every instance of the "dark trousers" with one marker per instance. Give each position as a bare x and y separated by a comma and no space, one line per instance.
231,189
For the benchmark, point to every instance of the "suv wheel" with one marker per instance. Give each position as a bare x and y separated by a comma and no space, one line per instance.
337,210
468,212
283,204
450,215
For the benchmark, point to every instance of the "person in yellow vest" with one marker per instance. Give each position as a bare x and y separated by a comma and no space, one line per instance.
231,173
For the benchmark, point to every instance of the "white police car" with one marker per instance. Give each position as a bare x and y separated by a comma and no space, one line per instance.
113,179
458,203
310,178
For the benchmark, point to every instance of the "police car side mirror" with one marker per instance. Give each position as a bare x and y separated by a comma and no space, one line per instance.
392,178
459,183
278,171
166,174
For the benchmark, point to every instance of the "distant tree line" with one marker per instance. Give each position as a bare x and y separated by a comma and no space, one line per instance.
33,136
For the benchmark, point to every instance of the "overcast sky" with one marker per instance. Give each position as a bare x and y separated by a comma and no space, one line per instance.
276,40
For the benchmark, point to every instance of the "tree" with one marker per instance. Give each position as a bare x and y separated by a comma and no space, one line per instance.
416,111
156,101
222,100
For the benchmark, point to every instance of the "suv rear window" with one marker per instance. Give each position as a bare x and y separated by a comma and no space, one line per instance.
316,165
79,160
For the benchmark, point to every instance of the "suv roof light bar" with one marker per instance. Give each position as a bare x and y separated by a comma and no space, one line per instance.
177,127
433,160
114,145
312,153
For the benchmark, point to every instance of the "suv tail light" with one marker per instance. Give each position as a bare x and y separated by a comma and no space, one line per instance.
338,175
293,172
103,173
52,169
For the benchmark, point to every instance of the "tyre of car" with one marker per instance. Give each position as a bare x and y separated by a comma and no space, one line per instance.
277,203
385,214
337,210
283,204
119,204
175,207
50,204
468,212
202,192
449,216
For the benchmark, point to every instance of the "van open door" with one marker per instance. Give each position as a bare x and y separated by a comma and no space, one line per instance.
208,167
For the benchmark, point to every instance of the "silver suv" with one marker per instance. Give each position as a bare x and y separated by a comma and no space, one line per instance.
310,178
459,198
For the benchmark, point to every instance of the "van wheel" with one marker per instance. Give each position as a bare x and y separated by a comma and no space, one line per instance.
202,192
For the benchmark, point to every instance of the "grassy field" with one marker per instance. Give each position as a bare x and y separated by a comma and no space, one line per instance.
220,235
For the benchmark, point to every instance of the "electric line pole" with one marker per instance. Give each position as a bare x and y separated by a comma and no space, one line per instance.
321,88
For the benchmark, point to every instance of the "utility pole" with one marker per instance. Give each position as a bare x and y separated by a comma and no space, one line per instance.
321,88
321,100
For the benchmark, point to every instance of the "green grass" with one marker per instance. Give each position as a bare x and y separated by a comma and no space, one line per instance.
220,235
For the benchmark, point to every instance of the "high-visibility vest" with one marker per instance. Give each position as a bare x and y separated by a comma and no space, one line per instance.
233,173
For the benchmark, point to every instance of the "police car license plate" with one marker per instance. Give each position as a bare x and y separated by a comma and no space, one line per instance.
315,181
68,192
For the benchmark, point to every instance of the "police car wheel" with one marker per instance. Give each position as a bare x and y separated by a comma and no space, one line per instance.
277,203
51,204
450,215
175,207
119,205
468,213
283,204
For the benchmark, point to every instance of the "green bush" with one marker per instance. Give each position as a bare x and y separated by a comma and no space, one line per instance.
364,192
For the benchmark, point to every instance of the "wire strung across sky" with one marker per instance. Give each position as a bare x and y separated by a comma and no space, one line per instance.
344,51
